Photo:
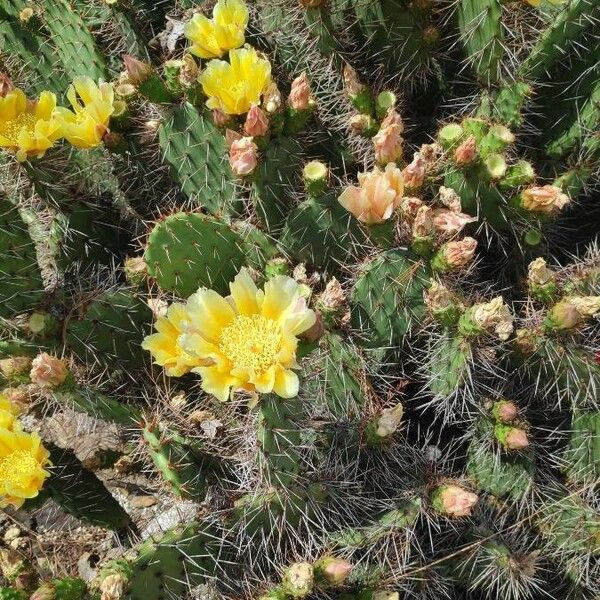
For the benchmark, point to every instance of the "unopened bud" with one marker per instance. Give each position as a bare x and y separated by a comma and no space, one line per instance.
272,98
300,97
563,315
243,156
113,587
136,270
453,501
505,411
26,14
389,421
414,173
511,438
334,571
15,366
257,122
466,153
316,331
137,70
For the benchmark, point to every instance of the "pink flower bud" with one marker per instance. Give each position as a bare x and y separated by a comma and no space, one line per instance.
257,122
516,439
414,173
410,206
546,199
466,152
460,253
48,371
388,144
352,84
564,315
243,156
334,570
454,501
137,71
392,118
220,119
505,411
300,97
449,222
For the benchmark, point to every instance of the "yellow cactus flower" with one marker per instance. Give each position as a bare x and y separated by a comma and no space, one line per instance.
93,104
248,340
211,38
8,411
23,459
235,86
164,345
28,128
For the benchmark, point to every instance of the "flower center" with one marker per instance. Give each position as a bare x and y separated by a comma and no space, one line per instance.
11,129
251,342
17,469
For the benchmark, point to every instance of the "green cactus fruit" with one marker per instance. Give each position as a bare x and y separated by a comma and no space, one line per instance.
21,282
581,459
278,173
187,251
205,176
480,26
110,329
387,298
335,375
180,462
80,493
322,233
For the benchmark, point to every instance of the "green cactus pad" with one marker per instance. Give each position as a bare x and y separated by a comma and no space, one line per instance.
110,329
196,153
387,298
448,364
187,251
582,456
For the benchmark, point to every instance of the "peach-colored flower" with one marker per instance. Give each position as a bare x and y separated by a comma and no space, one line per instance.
494,315
437,297
388,140
449,222
300,97
423,224
379,193
455,501
538,272
220,119
243,156
257,122
414,173
466,152
460,253
48,371
546,199
516,439
588,306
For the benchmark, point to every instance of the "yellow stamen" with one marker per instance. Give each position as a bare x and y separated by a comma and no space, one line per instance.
251,342
18,469
12,129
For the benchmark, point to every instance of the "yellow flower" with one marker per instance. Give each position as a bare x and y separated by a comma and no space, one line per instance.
211,38
28,128
248,340
235,86
8,411
93,104
22,462
164,345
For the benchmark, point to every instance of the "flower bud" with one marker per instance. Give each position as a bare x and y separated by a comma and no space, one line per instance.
136,270
333,297
317,331
511,438
563,315
300,97
588,306
48,371
352,84
220,119
298,580
493,315
387,141
547,199
505,411
455,255
453,501
414,173
332,570
257,122
466,153
137,70
538,272
450,199
188,72
26,14
243,156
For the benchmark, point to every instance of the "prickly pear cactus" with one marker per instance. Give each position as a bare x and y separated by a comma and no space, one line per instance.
299,299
